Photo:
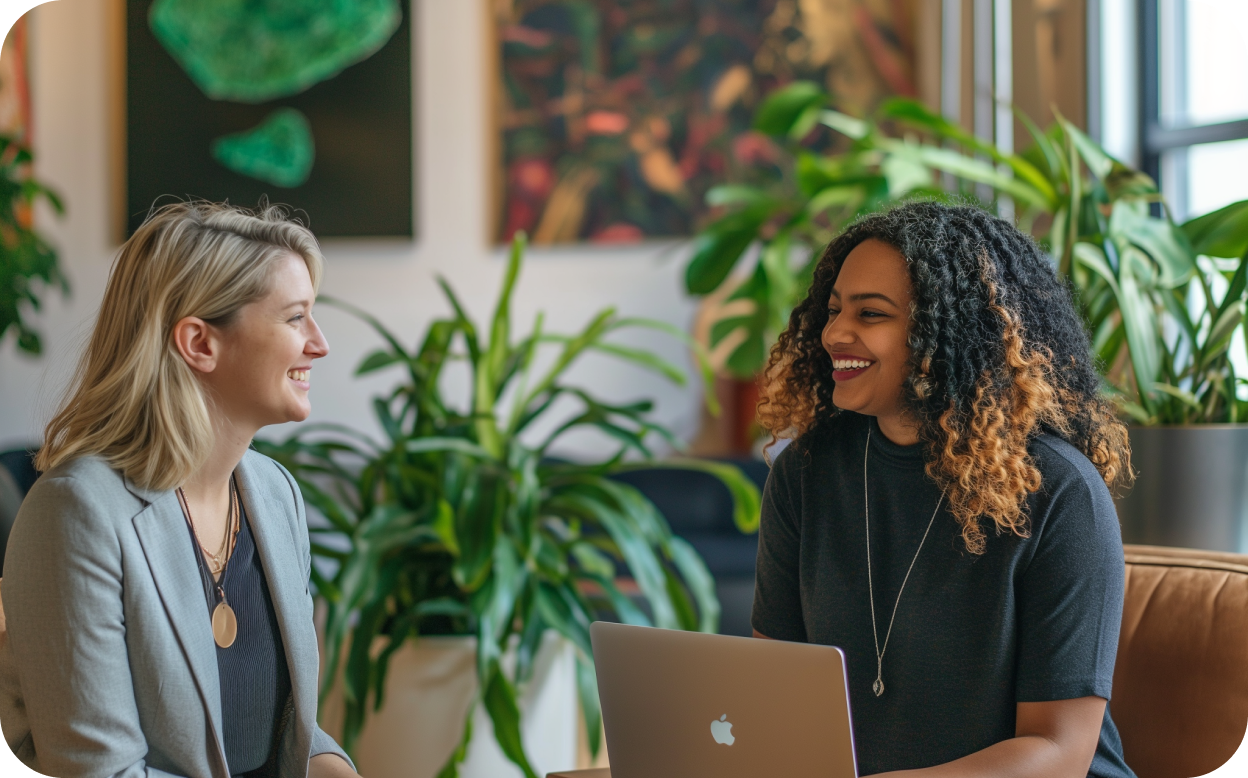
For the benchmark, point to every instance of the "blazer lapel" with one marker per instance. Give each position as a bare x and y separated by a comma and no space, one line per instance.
162,531
271,514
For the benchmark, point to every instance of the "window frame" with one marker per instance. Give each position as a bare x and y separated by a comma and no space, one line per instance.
1156,139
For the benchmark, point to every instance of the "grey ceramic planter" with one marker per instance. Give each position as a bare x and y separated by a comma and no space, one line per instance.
1191,490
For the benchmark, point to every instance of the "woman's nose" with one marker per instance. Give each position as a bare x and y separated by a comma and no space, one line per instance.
317,346
832,333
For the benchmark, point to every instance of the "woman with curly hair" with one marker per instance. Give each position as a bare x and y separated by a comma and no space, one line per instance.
944,512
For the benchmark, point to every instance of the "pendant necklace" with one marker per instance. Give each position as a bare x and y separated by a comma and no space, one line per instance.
224,621
878,686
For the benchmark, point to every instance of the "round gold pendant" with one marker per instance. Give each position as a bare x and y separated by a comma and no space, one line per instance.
224,625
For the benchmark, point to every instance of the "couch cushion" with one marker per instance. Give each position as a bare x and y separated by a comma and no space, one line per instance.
1181,681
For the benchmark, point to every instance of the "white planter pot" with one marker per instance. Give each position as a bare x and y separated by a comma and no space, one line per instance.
429,686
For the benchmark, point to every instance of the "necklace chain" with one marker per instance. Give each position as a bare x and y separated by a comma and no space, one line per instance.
878,686
217,561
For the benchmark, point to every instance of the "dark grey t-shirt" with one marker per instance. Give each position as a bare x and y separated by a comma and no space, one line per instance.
1030,620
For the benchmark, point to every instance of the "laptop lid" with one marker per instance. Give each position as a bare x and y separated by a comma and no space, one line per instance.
689,705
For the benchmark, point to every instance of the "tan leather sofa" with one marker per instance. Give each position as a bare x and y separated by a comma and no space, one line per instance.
1181,682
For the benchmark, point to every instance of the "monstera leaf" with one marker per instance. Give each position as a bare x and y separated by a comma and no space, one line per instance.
252,51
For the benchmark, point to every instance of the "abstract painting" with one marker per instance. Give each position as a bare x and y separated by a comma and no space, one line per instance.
15,85
300,102
617,116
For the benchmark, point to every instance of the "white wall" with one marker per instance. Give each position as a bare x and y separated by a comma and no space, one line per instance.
394,280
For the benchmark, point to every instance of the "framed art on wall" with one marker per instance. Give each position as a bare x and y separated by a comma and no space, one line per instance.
615,117
305,103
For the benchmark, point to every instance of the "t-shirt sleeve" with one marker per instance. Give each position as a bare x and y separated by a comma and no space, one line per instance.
1070,596
777,609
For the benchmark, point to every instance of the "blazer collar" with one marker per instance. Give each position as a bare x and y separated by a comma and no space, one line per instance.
162,531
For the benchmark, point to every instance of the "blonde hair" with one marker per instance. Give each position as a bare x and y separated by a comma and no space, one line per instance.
134,400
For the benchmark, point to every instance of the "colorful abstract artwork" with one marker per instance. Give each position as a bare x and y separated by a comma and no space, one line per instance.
15,85
617,116
302,102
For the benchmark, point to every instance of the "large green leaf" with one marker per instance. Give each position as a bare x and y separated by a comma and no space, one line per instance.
1100,163
1140,321
1220,233
591,707
693,570
584,500
783,108
846,125
971,169
716,251
915,113
1158,238
500,702
746,500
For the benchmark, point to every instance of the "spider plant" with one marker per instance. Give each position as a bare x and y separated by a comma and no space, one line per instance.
460,520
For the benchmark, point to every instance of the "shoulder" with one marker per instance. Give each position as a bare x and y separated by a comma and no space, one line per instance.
77,510
85,486
1063,467
1073,499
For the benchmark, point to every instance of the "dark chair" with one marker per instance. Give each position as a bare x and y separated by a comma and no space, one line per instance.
699,509
17,475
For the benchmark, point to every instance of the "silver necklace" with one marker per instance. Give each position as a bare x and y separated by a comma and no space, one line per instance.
878,686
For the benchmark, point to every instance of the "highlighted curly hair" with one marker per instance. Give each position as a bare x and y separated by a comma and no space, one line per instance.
998,355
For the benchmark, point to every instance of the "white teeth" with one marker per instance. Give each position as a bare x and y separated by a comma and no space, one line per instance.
297,375
850,364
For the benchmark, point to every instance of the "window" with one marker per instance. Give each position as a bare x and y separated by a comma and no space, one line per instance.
1194,101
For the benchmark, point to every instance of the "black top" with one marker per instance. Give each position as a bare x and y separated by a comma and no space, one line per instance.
255,681
1031,620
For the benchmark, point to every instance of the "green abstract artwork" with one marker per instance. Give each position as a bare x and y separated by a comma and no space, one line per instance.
305,104
253,51
280,150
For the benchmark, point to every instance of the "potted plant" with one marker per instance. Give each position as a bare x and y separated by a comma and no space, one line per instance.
1190,444
27,261
460,522
1162,301
840,167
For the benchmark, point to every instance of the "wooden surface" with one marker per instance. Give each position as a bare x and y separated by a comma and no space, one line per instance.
601,772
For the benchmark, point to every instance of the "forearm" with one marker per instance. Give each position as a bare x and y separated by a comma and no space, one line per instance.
330,766
1028,756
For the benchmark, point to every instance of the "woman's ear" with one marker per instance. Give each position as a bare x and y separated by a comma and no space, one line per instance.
198,344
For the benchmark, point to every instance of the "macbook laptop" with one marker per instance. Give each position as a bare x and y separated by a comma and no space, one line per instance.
690,705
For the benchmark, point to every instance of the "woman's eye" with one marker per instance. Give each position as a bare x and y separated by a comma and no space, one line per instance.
295,318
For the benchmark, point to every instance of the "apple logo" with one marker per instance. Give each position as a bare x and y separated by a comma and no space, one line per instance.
722,731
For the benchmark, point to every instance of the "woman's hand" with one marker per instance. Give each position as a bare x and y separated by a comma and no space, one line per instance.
330,766
1051,740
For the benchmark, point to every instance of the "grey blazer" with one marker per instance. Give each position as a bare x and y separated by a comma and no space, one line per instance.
110,668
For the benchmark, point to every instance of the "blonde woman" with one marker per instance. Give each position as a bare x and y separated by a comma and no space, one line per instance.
156,579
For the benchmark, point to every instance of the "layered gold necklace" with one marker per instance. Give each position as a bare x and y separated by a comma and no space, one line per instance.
224,621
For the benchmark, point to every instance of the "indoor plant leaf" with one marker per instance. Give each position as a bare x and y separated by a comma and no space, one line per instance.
717,250
782,108
1220,233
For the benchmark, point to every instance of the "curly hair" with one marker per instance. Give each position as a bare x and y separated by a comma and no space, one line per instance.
998,355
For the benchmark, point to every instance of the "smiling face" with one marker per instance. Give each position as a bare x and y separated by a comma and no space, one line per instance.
264,356
866,333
